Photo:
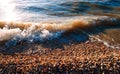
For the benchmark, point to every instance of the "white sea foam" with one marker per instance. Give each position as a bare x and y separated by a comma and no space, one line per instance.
30,35
6,34
14,32
106,43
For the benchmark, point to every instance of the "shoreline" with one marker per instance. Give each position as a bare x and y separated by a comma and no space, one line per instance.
84,57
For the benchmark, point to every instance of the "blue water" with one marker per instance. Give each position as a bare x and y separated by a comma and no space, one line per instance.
39,10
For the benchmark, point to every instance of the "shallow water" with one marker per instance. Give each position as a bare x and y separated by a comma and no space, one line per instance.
39,10
71,21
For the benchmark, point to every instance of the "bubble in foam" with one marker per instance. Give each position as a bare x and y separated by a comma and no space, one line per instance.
6,34
45,33
33,36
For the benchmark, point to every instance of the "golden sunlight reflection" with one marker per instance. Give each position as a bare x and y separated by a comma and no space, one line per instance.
7,10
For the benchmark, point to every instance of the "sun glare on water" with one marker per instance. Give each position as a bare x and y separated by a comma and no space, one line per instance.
7,10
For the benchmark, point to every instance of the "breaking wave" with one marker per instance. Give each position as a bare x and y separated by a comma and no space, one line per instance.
14,32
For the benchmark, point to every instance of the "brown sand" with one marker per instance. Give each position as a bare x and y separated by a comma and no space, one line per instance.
87,57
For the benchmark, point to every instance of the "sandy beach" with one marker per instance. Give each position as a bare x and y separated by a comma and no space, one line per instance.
80,58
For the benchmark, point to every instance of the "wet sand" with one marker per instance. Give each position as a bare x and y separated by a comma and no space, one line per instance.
80,58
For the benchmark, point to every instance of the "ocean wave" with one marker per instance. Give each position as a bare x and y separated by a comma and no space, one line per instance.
14,32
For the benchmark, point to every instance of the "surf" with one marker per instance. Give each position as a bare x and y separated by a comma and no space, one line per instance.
31,31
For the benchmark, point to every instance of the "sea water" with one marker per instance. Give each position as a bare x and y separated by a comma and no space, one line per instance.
68,21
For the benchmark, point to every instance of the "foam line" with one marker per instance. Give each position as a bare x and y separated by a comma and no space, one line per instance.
10,30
